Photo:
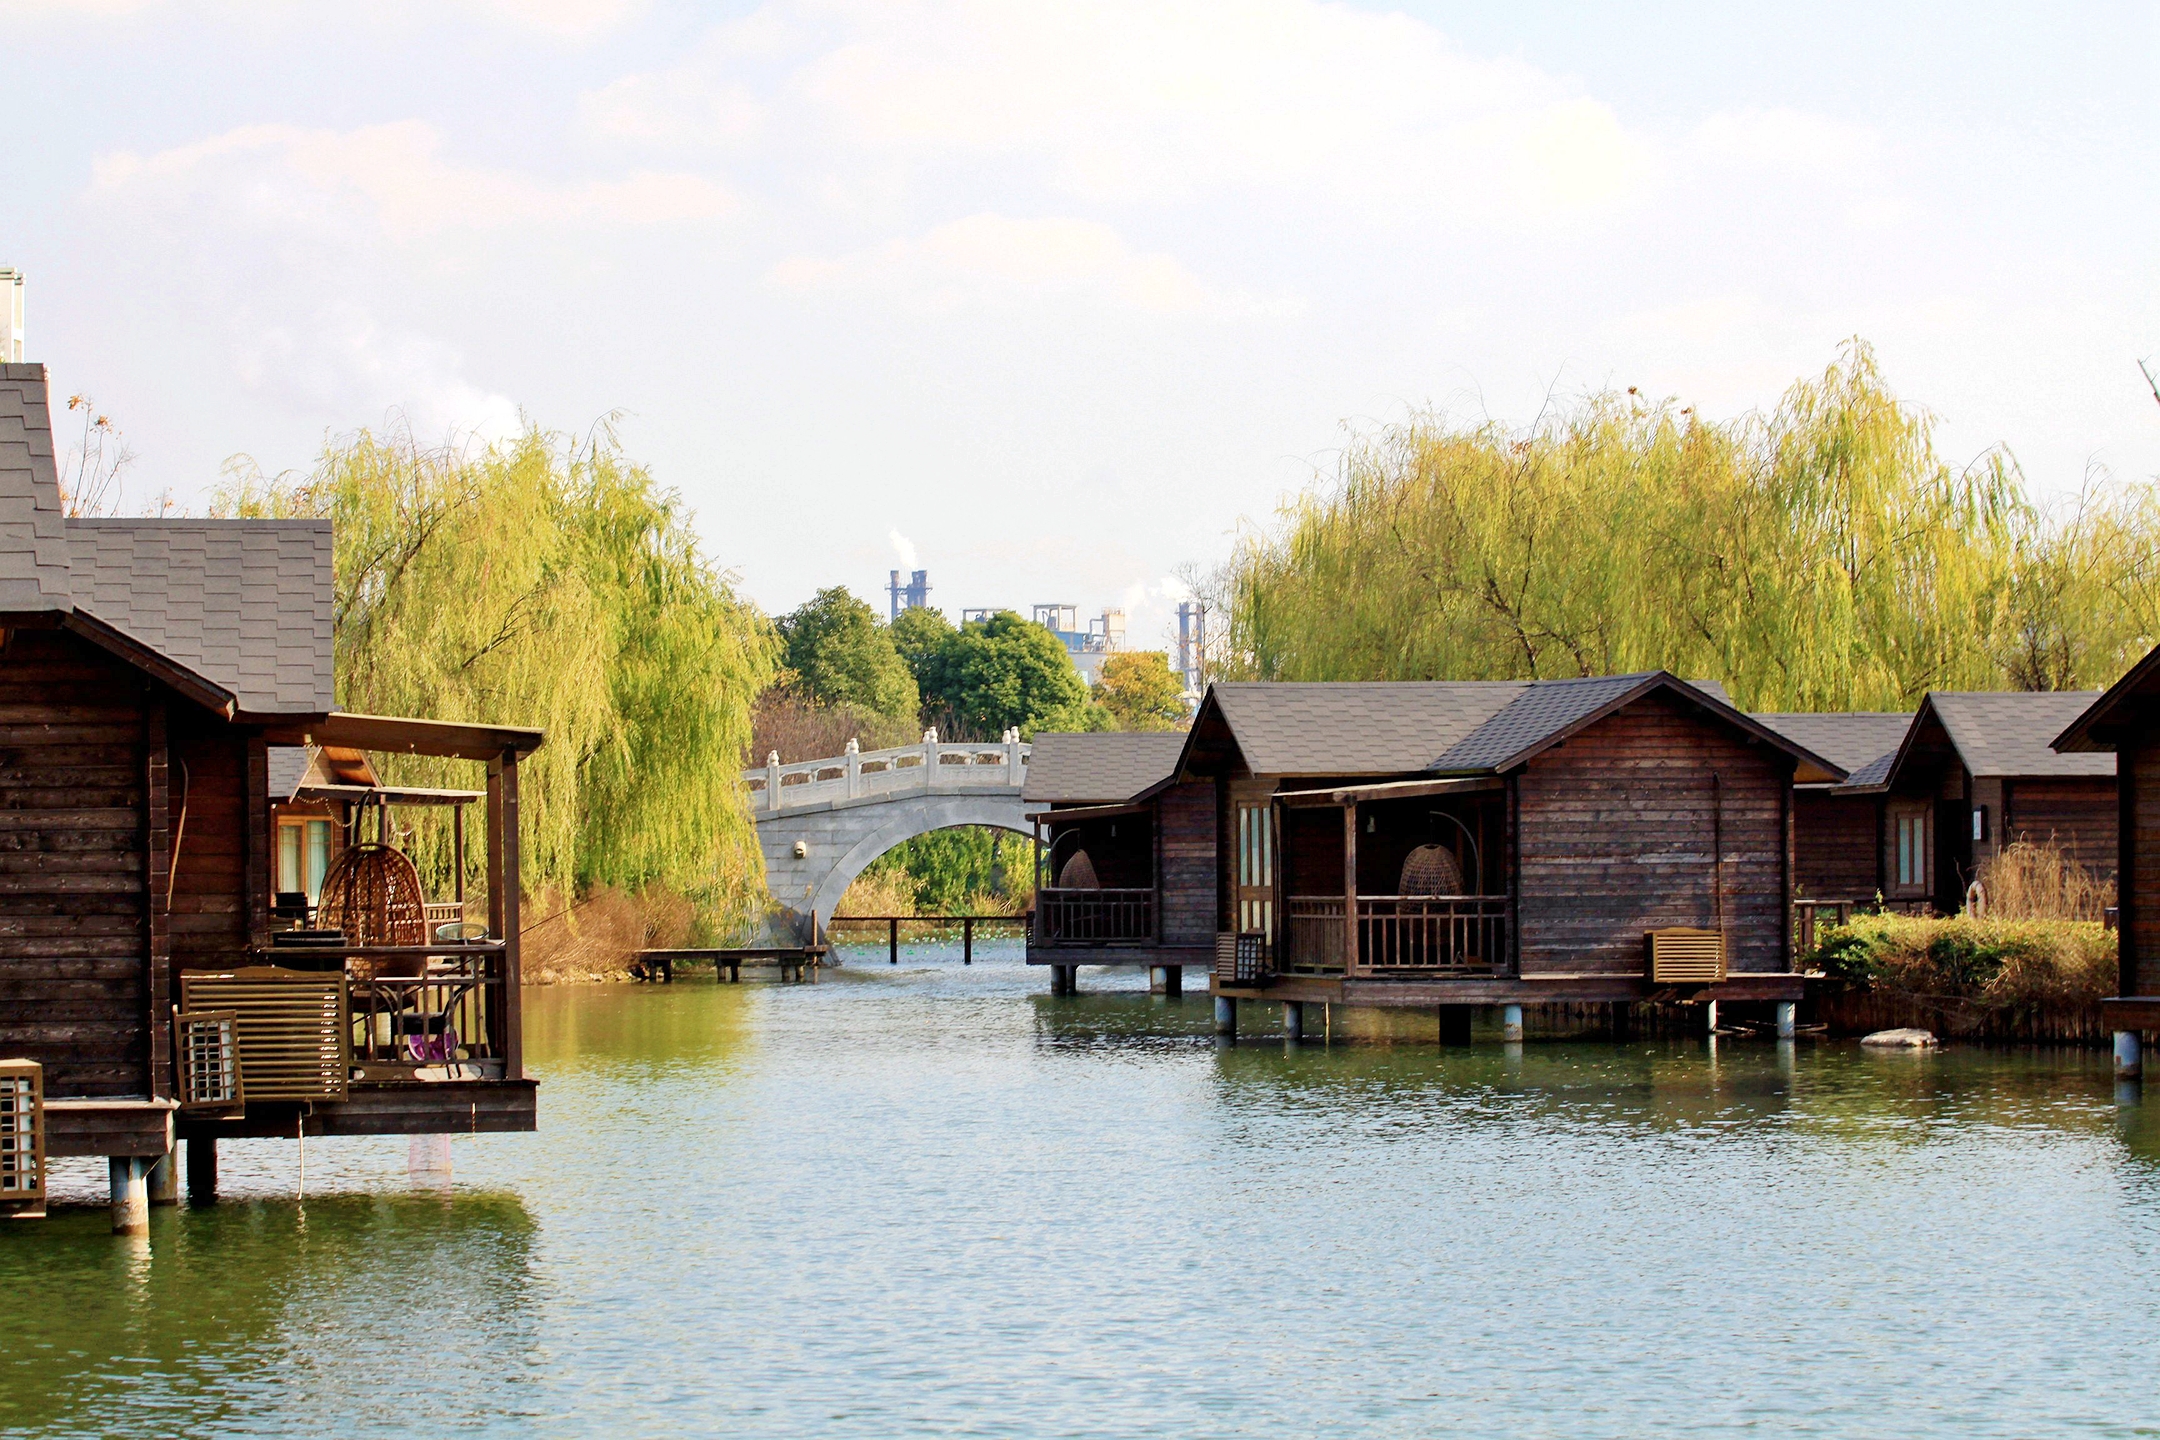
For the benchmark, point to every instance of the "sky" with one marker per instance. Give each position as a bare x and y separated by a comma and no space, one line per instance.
1054,298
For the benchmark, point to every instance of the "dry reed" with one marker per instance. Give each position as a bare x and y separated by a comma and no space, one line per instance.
2031,880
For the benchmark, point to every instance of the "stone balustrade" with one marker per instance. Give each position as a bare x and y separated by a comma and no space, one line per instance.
932,767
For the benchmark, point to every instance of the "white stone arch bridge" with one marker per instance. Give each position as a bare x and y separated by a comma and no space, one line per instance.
821,822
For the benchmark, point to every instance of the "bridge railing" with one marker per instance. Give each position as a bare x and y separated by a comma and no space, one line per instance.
934,767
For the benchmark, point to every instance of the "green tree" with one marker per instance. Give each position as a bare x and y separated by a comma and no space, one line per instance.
925,639
544,582
1818,557
840,654
1002,671
1139,691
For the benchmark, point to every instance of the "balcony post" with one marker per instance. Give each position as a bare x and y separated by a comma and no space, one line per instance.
854,768
504,920
772,780
1350,915
1015,760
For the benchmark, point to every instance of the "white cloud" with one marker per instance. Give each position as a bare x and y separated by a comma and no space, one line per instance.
571,19
342,361
394,174
1000,262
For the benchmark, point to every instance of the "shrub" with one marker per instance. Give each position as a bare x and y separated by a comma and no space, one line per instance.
1991,962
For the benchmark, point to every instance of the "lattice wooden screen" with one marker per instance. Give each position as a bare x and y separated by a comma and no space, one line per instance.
207,1043
22,1134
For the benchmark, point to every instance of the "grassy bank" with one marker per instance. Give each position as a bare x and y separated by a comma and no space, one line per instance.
2035,980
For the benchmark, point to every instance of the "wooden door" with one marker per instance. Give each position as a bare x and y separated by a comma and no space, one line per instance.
1255,875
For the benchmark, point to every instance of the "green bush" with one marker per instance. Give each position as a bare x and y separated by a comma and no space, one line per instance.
1993,962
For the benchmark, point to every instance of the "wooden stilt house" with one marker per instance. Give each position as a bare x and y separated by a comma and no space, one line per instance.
2123,724
149,670
1124,855
1474,843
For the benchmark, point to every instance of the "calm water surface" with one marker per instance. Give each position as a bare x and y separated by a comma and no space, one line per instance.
929,1200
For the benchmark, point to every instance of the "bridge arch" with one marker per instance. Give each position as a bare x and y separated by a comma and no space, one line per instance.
839,845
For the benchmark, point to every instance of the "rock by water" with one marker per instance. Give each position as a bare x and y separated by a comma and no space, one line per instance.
1901,1039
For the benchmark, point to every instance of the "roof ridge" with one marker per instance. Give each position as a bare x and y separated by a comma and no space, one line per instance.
34,571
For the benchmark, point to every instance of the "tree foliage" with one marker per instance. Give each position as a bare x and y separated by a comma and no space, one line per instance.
543,582
838,653
1819,557
993,674
1140,691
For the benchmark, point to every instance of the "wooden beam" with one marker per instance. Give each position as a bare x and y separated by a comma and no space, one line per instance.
504,901
157,865
255,807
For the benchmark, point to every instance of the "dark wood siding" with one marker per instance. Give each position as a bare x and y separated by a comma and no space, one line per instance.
1615,839
1834,846
2078,815
74,957
2139,758
209,808
1185,819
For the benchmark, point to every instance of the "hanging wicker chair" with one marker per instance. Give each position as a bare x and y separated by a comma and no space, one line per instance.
1079,873
372,893
1431,870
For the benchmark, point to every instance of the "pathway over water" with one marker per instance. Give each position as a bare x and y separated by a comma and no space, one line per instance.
930,1200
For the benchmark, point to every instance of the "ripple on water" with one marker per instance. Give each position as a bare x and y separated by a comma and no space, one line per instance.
931,1200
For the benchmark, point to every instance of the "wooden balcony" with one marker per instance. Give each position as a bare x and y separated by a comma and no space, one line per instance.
1396,935
1095,917
417,1013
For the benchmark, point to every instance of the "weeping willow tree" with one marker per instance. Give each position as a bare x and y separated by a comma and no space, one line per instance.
548,583
1821,556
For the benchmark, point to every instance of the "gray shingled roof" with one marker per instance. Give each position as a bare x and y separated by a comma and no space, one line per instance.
1099,769
1862,742
33,540
1379,727
246,604
2008,733
1401,727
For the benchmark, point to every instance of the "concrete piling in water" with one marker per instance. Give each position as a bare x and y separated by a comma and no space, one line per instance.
164,1182
1166,980
202,1171
1226,1016
2129,1059
1511,1023
1788,1019
130,1180
1293,1021
1709,1011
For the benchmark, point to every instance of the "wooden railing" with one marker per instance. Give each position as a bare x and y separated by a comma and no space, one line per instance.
450,1013
1398,935
1094,917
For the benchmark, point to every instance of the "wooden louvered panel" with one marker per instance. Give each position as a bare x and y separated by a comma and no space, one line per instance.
22,1134
1685,957
290,1027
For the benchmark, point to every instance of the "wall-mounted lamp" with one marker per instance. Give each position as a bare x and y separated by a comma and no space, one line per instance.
802,849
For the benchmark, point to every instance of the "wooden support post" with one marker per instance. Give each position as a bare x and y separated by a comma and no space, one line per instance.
1710,1017
1454,1024
1226,1016
1623,1020
165,1180
1174,982
892,941
1349,904
129,1177
967,939
202,1171
503,903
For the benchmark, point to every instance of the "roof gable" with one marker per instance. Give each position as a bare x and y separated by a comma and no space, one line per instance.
33,541
2124,704
1863,743
2005,734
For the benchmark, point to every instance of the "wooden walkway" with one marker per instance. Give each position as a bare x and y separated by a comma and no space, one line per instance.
892,924
796,963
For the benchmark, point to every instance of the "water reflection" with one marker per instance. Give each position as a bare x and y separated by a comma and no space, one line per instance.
928,1199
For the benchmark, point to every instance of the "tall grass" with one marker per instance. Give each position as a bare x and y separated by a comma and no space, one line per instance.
2035,880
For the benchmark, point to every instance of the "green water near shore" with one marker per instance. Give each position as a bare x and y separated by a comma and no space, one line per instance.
932,1200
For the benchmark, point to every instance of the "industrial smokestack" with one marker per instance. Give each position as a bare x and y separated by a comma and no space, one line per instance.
11,314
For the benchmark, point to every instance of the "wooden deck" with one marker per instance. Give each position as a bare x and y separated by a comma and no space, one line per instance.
1506,990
